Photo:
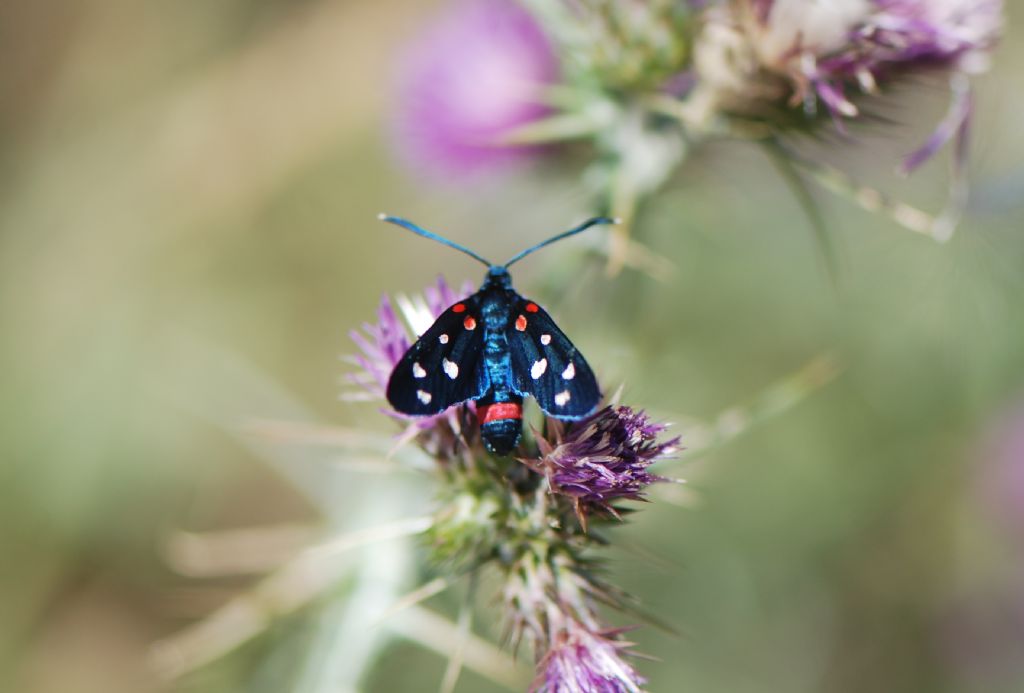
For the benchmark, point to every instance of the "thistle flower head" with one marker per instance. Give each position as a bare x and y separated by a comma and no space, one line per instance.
800,53
605,458
468,80
550,596
583,660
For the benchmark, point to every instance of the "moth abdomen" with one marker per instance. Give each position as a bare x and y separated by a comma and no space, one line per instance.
501,425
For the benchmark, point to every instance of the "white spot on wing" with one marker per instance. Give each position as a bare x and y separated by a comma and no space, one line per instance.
545,339
538,368
443,339
418,371
570,372
451,368
562,398
424,396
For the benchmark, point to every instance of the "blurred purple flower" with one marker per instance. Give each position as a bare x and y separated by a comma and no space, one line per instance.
826,46
468,80
981,634
582,661
1000,477
823,49
605,458
958,34
982,626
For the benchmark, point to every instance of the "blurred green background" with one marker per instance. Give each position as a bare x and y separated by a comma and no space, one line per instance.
187,203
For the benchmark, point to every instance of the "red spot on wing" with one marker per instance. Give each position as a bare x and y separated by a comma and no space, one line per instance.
459,308
521,323
469,323
499,411
531,308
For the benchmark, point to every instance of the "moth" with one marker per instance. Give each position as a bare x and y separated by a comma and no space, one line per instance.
494,348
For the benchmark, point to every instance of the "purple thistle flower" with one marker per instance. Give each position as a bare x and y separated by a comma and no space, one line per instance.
470,79
583,661
900,34
826,46
823,49
605,458
382,346
551,601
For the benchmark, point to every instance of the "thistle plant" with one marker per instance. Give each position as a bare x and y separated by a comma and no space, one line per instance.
645,83
533,518
534,522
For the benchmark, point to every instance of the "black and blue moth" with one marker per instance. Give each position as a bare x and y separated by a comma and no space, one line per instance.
494,348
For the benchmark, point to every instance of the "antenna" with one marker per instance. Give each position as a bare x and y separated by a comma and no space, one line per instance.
565,234
398,221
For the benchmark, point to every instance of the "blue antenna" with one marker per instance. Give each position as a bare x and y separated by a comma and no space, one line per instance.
565,234
398,221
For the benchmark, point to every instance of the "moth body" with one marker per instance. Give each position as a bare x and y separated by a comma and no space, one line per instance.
494,348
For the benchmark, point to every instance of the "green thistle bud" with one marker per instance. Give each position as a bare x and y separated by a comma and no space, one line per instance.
622,46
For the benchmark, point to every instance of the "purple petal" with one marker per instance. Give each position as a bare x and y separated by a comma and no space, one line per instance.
584,661
956,123
605,457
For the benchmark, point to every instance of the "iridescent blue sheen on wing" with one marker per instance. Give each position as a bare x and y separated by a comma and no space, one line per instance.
547,366
444,366
494,348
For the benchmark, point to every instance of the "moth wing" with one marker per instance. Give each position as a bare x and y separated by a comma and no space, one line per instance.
547,366
444,366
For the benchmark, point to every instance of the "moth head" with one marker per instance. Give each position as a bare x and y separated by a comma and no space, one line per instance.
498,276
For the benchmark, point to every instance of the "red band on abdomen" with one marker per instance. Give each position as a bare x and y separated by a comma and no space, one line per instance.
499,410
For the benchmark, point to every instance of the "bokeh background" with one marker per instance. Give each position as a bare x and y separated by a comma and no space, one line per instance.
188,195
